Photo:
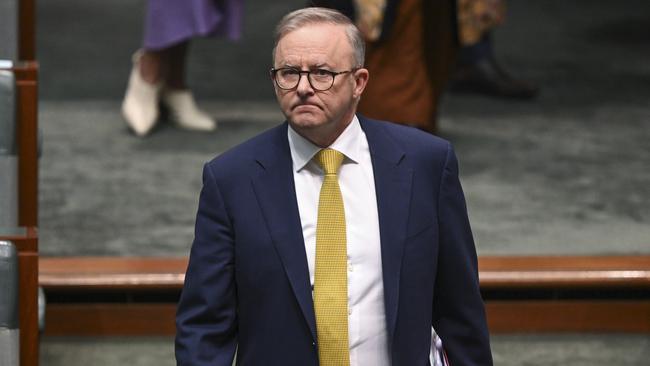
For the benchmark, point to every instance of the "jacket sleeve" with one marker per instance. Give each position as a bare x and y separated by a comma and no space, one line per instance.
206,319
458,311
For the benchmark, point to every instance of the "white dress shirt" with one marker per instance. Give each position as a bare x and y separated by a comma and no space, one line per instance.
366,311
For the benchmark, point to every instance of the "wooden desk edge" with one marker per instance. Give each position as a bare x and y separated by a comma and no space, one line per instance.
78,273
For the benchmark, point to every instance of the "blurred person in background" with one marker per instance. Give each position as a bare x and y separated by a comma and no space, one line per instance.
477,70
416,48
158,74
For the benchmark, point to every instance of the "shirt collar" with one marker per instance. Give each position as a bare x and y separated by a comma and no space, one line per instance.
303,150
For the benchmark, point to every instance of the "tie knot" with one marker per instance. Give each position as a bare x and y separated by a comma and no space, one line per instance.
329,160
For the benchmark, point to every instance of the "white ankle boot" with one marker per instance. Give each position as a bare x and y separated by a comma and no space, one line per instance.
184,112
140,105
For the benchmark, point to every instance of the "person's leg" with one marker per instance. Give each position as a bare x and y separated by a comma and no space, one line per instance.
140,105
479,72
477,69
175,64
151,65
160,75
166,65
472,54
176,95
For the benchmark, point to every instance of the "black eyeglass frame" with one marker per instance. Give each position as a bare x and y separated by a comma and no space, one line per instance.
334,74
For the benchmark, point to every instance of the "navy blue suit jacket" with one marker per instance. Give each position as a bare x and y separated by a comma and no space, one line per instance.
247,284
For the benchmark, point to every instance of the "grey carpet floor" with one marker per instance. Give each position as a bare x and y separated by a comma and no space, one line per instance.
577,188
105,192
507,350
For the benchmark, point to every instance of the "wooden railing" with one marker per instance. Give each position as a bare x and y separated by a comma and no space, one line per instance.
25,237
559,272
150,273
27,30
27,134
137,296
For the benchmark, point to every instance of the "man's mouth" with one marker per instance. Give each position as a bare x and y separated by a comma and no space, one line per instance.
305,106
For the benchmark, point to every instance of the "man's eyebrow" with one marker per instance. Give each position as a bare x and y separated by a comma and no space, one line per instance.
314,66
321,65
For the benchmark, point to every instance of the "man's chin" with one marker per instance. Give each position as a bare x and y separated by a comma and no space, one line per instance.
305,122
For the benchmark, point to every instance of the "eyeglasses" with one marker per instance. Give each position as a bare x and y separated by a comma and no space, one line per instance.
288,78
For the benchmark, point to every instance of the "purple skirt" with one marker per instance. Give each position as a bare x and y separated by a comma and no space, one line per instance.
169,22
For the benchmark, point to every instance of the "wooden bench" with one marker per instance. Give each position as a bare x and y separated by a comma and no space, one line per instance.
137,296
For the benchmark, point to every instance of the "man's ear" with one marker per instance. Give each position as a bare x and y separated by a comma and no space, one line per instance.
361,79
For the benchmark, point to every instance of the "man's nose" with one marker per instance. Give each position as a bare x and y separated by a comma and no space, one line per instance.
304,87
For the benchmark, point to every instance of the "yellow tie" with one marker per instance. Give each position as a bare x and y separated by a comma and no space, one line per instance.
330,278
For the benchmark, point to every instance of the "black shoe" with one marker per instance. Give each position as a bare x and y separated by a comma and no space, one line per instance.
488,78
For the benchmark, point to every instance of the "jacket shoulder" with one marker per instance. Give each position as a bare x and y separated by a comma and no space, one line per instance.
410,140
238,159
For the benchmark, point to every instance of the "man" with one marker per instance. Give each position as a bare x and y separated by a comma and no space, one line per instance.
331,239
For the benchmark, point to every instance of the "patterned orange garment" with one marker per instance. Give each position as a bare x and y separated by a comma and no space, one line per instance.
410,67
476,17
370,17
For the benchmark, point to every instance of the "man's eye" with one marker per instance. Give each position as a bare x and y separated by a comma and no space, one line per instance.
321,72
289,72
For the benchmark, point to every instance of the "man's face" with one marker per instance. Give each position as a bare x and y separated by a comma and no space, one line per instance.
309,111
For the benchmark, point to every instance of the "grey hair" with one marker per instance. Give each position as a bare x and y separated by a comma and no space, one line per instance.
314,15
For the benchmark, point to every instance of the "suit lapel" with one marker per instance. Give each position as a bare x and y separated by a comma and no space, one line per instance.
393,189
275,190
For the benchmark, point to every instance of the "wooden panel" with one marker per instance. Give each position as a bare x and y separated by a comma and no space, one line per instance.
110,319
28,297
27,134
27,30
503,317
27,246
568,316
